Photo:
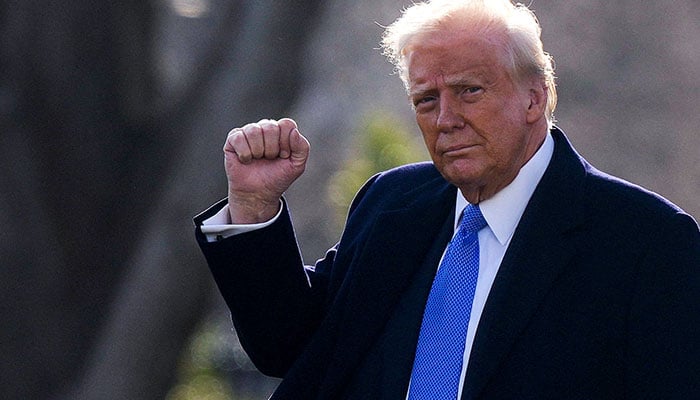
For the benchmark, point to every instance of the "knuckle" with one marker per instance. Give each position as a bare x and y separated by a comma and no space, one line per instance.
287,123
270,127
233,136
251,129
237,137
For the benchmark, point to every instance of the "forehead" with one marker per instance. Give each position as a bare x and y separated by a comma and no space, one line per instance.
454,55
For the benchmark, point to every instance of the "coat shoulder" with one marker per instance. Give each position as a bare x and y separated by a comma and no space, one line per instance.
632,210
399,185
610,195
406,177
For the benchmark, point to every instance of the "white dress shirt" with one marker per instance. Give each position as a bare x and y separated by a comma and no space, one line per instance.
502,213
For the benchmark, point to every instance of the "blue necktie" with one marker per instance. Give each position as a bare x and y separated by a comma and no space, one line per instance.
437,367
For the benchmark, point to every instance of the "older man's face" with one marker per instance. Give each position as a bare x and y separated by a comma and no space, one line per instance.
476,121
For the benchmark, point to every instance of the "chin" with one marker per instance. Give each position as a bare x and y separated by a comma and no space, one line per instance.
460,178
460,171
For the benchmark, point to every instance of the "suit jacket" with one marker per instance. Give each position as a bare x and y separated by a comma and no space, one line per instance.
597,296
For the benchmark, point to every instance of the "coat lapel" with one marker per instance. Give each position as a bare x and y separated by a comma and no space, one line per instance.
536,255
395,249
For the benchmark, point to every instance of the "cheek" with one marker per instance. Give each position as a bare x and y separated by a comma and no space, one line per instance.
430,141
508,150
429,135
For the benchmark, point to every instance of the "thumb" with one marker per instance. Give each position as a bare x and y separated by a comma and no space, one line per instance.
299,147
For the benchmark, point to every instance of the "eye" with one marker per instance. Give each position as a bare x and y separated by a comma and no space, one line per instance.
471,94
471,90
423,101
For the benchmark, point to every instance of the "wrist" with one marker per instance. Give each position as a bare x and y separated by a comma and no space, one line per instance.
252,209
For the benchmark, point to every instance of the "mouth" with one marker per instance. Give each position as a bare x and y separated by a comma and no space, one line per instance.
458,151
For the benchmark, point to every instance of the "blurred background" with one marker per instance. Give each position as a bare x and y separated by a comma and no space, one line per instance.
112,119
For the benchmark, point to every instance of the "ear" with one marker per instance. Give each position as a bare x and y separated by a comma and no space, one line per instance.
537,96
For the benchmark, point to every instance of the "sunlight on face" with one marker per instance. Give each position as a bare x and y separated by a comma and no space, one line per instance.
474,118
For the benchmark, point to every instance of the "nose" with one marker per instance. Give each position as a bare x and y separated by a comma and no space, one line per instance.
449,116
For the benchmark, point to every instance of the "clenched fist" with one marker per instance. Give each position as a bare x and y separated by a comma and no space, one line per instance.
262,160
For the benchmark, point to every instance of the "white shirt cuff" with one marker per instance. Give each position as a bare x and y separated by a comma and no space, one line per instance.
219,226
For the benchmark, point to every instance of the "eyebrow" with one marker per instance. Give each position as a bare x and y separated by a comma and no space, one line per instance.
420,92
465,79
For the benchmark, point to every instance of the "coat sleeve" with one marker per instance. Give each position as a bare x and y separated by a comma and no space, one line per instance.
663,358
276,302
262,278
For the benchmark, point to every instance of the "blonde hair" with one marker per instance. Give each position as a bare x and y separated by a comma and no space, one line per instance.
515,22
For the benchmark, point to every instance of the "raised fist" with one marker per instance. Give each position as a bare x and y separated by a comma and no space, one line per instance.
262,160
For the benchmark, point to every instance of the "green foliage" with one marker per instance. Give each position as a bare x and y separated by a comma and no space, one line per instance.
215,367
382,143
199,378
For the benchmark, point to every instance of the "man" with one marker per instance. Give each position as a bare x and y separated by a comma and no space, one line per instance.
561,282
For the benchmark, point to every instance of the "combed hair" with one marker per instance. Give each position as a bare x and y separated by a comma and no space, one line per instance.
518,25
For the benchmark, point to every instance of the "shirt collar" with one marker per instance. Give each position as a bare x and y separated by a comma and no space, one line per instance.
503,210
